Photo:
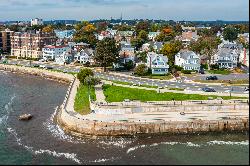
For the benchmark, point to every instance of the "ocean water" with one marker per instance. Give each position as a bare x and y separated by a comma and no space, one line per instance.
41,141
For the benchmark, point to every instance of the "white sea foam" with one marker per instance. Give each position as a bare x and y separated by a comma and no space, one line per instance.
56,130
228,143
104,160
71,156
135,148
119,142
8,110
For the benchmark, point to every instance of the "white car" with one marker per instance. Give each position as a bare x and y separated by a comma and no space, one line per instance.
43,66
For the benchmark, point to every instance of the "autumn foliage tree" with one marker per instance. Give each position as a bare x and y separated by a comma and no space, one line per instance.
48,29
85,32
170,49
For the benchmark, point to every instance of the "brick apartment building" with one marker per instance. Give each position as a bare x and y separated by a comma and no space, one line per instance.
5,41
30,44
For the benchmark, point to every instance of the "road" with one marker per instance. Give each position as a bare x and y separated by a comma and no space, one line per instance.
137,80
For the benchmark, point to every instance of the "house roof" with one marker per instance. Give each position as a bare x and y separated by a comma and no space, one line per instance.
185,54
153,56
224,52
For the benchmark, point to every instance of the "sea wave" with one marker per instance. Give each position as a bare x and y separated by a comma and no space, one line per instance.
7,110
105,160
58,132
190,144
71,156
215,142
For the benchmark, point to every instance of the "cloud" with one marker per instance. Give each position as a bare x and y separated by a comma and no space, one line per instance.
152,9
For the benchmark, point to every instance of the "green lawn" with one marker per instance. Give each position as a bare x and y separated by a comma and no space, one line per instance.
81,104
166,77
119,94
223,72
127,83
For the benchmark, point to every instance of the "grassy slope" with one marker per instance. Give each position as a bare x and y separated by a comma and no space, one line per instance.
118,94
81,104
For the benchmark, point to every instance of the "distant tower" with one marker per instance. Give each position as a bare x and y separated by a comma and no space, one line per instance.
121,17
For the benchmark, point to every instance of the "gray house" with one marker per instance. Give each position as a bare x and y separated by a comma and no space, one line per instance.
226,58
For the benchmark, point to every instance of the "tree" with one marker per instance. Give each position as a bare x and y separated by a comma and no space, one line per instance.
205,45
230,33
83,74
85,32
141,70
137,43
142,25
143,35
170,49
107,52
48,29
129,65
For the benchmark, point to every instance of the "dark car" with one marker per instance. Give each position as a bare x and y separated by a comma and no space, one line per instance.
208,90
212,78
36,65
49,67
247,88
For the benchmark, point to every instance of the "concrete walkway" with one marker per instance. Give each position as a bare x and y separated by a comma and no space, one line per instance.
100,97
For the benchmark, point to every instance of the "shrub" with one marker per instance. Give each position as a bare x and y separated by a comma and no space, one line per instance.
83,74
89,80
141,70
186,71
214,67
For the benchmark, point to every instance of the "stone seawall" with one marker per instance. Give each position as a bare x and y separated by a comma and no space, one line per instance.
104,125
81,127
60,77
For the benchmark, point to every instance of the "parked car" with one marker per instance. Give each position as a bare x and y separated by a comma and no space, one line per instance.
49,67
208,90
42,66
35,65
212,78
247,88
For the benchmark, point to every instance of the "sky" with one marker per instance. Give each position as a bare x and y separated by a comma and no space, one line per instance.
178,10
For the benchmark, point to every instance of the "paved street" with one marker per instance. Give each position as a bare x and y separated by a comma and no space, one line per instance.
137,80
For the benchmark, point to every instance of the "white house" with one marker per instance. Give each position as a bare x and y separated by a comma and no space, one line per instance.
65,58
157,63
85,56
51,52
188,60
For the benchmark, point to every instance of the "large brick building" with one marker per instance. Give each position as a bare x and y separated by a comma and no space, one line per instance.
5,41
30,44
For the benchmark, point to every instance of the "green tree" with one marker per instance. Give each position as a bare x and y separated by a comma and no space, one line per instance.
230,33
129,65
143,35
206,45
137,43
107,52
141,70
84,73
